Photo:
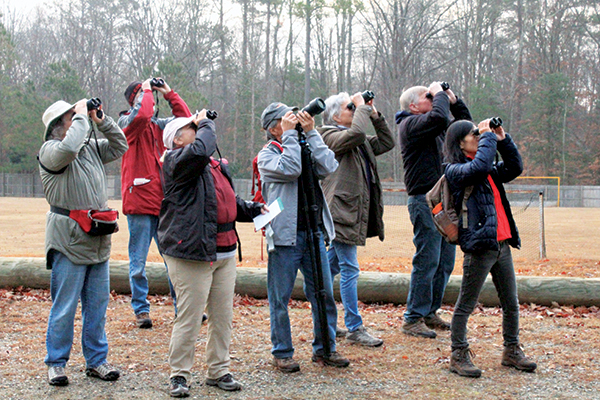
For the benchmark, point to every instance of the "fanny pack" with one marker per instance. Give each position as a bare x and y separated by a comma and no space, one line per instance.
92,222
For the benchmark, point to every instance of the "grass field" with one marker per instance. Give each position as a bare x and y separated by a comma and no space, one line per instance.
572,237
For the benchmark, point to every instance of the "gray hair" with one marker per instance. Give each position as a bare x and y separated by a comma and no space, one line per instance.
333,107
272,125
411,96
56,130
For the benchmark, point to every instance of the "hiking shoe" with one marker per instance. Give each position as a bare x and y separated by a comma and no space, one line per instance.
143,321
57,376
105,371
179,387
286,364
513,356
226,382
435,322
460,363
362,337
340,332
334,360
419,329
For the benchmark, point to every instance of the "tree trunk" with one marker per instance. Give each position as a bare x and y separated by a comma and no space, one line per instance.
373,287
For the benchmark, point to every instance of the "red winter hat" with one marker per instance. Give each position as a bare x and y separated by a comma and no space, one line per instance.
131,91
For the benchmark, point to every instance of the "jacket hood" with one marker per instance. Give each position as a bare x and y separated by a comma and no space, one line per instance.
400,115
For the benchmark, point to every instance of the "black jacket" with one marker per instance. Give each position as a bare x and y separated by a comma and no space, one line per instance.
187,226
481,233
421,141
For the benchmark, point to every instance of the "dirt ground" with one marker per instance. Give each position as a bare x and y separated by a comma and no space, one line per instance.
564,341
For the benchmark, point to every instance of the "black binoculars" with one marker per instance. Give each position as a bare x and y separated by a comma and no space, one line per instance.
95,104
445,86
367,96
211,114
495,122
157,82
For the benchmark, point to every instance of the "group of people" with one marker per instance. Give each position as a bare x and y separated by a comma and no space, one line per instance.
176,193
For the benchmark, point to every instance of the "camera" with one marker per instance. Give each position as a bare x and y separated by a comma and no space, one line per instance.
495,122
95,104
315,107
445,86
157,82
211,114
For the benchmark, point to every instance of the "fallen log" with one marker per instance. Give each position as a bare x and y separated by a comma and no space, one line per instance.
373,287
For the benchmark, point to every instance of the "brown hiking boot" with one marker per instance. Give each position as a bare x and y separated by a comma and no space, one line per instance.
143,321
460,363
418,328
435,322
286,364
335,360
513,356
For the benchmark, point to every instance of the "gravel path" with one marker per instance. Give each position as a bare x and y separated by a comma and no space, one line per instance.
564,342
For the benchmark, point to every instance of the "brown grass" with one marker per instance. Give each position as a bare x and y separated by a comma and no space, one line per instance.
572,237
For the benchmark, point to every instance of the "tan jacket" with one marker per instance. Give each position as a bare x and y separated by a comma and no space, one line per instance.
82,186
357,212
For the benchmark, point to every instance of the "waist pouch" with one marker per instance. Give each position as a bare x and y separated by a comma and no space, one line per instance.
92,222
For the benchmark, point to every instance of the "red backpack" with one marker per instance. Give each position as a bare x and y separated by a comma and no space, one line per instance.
256,182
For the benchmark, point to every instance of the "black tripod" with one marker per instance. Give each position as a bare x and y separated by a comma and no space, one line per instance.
306,184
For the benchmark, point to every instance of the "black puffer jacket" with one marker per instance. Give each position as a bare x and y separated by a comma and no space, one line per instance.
188,216
482,231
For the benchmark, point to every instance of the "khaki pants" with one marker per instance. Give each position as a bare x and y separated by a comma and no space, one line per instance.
201,285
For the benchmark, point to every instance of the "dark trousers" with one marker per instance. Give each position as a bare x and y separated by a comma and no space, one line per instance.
476,267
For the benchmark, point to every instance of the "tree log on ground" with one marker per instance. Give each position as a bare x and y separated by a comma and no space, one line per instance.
373,287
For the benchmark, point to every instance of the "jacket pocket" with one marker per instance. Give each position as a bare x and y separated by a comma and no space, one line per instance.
345,208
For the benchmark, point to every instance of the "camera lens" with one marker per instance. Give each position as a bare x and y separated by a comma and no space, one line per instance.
315,107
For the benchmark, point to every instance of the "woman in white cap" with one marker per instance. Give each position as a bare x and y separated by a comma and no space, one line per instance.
74,181
196,234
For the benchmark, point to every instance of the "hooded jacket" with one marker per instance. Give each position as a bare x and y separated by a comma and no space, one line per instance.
356,204
481,233
141,185
421,139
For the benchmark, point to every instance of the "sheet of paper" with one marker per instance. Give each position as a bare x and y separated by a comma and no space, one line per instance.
275,208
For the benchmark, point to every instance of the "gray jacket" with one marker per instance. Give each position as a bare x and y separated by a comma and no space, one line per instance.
279,172
82,186
357,204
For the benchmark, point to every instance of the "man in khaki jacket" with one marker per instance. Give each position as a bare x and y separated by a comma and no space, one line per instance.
353,193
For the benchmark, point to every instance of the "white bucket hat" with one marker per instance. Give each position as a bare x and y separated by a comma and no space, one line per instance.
54,112
172,128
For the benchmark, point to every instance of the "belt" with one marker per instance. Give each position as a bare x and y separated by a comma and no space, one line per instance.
61,211
225,227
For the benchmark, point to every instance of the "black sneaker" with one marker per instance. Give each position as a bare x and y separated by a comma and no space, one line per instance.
179,387
226,382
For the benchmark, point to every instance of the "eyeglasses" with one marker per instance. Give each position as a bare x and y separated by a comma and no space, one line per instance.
350,106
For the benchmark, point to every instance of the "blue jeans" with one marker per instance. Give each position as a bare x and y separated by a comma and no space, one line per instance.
283,265
70,282
142,229
433,263
343,260
476,267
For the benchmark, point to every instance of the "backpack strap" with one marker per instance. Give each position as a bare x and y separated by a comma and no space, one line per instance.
276,144
464,210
